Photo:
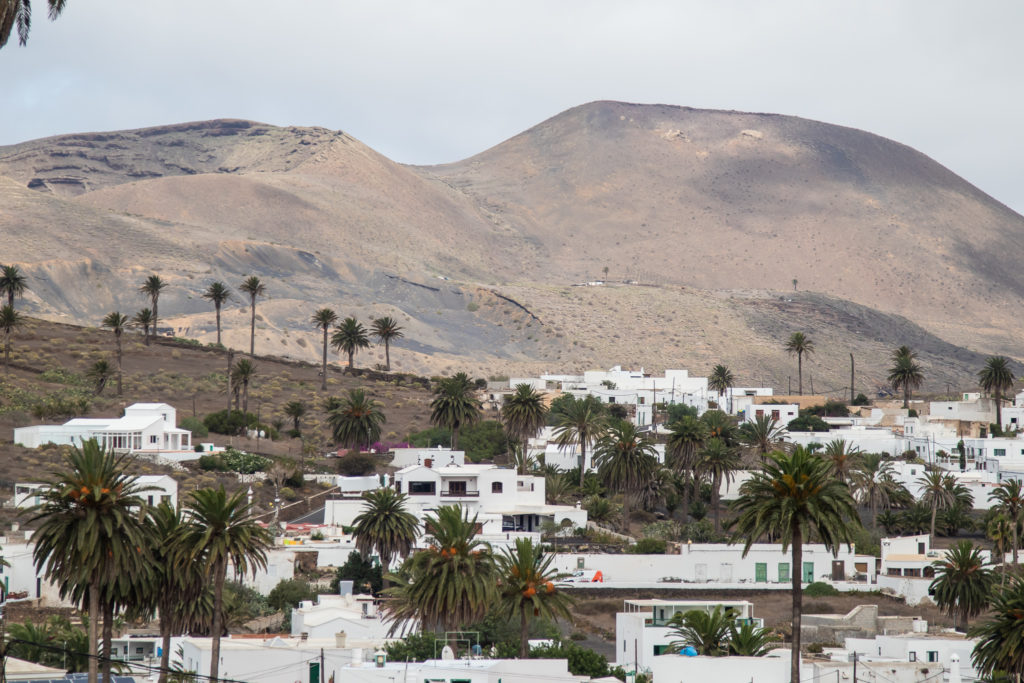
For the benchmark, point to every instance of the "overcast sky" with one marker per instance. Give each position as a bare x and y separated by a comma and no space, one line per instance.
436,81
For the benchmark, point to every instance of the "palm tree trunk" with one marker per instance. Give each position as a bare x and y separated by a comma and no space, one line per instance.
165,651
94,619
1014,522
252,329
119,365
797,576
154,315
935,509
387,355
455,437
231,356
108,637
715,484
245,396
218,618
323,370
906,395
800,373
217,307
524,645
874,514
350,356
7,352
583,460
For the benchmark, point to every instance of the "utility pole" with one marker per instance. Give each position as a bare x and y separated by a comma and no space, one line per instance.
321,665
259,405
789,390
811,376
231,358
851,378
855,667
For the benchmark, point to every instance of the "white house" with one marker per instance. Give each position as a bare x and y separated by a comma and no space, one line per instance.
946,650
404,457
154,489
461,671
642,629
782,413
22,578
145,428
772,668
354,615
907,567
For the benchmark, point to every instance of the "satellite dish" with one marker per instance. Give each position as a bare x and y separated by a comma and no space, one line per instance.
447,654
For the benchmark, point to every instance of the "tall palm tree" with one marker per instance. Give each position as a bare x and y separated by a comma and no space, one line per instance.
385,526
454,405
722,381
10,320
221,531
451,582
999,652
795,497
116,323
241,375
905,373
323,319
18,13
88,536
935,494
873,484
997,379
385,329
717,462
99,374
843,457
625,459
799,345
722,426
254,287
151,287
356,423
581,422
295,410
706,632
1009,500
962,584
144,319
12,283
686,439
763,433
217,293
523,413
350,337
528,588
999,531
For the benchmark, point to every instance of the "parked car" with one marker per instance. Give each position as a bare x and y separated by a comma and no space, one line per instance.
585,576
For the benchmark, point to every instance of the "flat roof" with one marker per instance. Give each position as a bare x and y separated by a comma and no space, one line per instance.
660,602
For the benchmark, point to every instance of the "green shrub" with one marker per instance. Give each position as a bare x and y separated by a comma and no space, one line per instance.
356,465
212,463
196,426
431,438
288,494
483,440
808,423
648,546
819,589
860,400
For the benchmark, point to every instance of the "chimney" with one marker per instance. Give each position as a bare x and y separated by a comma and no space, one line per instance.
428,462
340,639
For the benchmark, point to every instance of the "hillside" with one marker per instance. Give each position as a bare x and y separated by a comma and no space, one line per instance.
703,220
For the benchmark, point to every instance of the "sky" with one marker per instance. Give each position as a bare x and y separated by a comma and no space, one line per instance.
434,81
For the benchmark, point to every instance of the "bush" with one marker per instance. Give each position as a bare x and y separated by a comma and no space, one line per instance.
196,426
212,463
860,400
582,661
364,575
356,465
288,494
431,438
808,423
288,593
819,589
648,546
483,440
244,463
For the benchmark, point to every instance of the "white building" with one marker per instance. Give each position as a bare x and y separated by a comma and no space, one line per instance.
404,457
22,578
772,668
642,629
461,671
782,413
354,615
907,565
145,428
934,651
153,488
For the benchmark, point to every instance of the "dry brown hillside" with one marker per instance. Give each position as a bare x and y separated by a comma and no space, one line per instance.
702,218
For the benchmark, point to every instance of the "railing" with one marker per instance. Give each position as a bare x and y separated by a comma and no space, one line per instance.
460,494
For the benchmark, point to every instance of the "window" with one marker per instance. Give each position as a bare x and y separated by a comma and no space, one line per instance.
1000,451
913,656
496,487
775,415
933,655
421,488
784,572
660,649
138,650
456,488
153,438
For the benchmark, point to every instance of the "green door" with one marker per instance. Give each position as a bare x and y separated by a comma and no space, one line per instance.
808,572
784,572
761,572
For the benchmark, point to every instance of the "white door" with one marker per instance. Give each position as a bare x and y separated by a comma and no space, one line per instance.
726,573
701,572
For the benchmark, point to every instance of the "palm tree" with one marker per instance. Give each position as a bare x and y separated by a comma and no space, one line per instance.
151,287
1009,500
873,484
800,345
905,373
454,405
999,531
357,421
451,582
706,632
625,458
997,379
295,410
524,413
18,13
936,494
794,498
963,584
717,461
221,531
385,329
999,650
750,641
385,526
99,374
323,319
844,458
12,283
762,433
685,441
144,319
89,535
10,319
350,337
116,322
581,422
243,373
254,287
217,293
722,426
528,589
721,380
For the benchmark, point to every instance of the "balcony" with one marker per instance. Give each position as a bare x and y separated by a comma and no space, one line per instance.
460,494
